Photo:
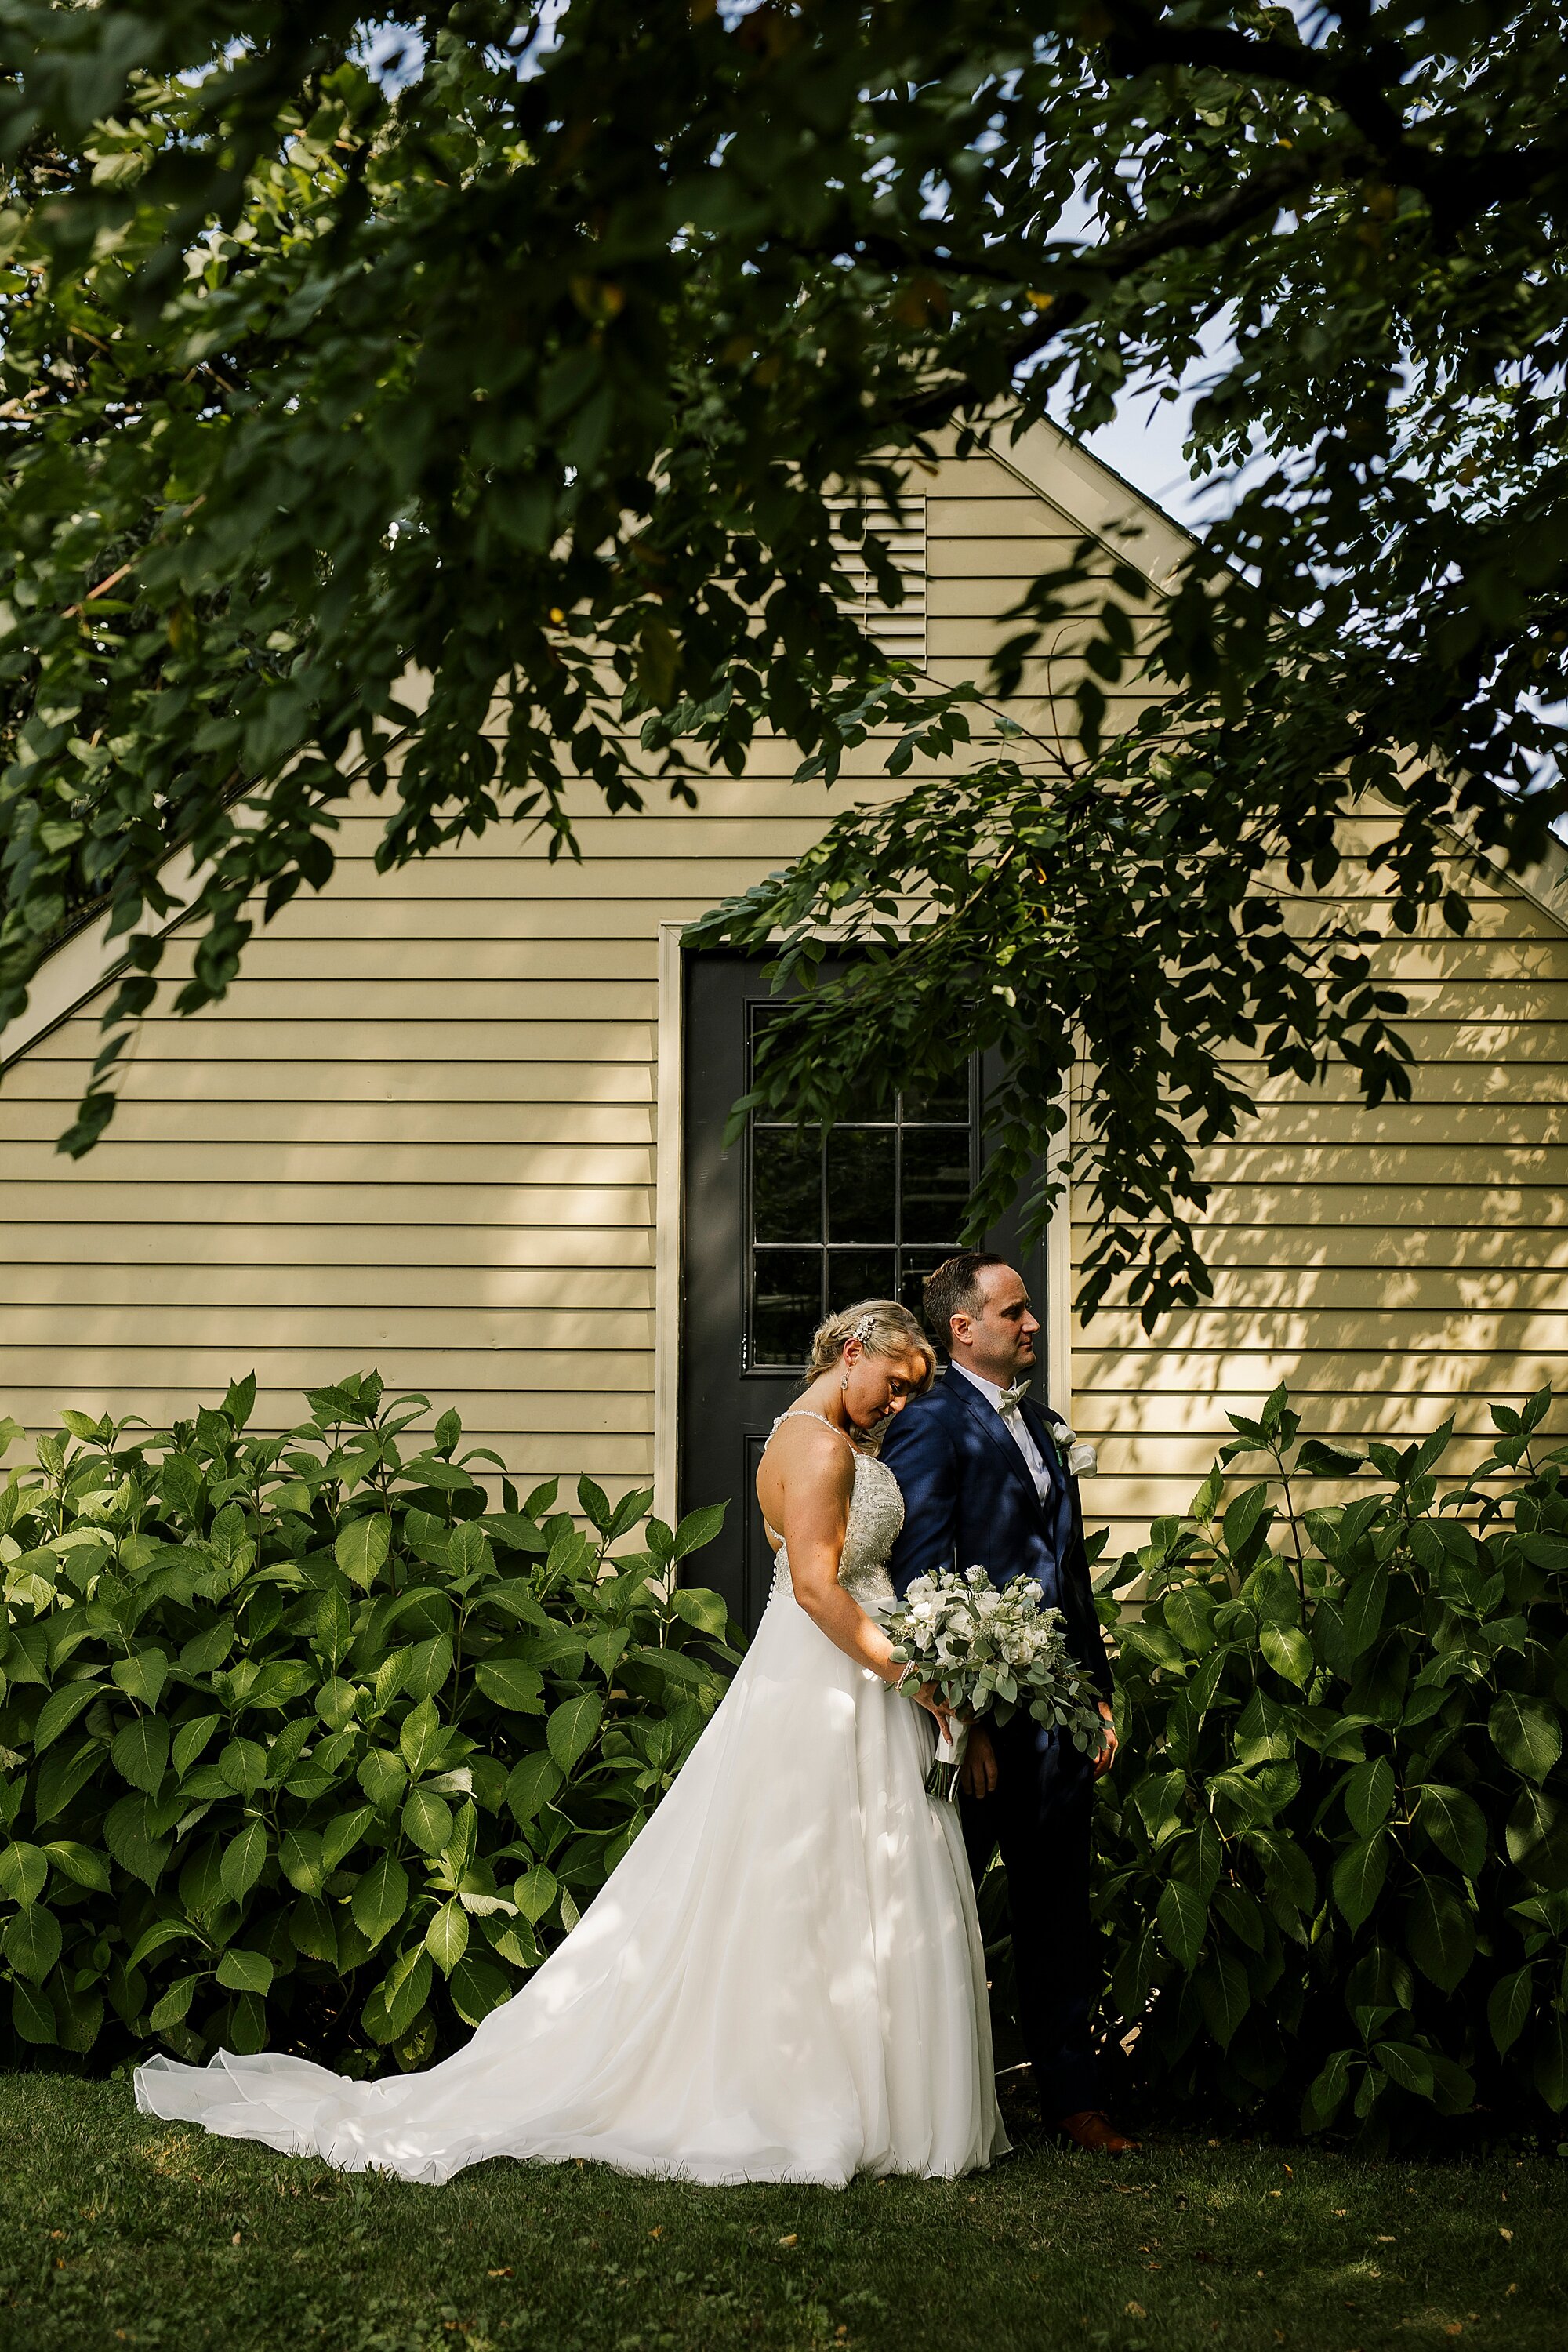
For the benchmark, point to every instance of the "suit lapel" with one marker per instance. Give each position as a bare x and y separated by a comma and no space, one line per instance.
996,1430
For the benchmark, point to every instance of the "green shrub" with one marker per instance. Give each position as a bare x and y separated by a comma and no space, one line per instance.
1334,1855
306,1748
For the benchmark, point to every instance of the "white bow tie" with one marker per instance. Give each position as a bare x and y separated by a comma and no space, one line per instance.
1011,1399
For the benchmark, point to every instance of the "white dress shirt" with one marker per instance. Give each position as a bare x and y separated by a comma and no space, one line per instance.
1012,1421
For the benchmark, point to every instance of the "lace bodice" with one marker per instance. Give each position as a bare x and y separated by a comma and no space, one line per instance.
875,1516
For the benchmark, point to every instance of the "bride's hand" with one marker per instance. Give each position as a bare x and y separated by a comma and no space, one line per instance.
928,1696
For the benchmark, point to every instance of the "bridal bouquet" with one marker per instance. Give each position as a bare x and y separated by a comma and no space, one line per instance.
991,1652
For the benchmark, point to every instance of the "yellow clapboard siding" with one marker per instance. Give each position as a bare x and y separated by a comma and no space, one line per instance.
558,1402
1493,1126
272,1199
399,1326
286,1242
509,1127
370,960
364,1041
549,1088
1291,1252
1259,1294
404,1286
524,1169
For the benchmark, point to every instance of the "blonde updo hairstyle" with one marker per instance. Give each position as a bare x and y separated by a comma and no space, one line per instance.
883,1328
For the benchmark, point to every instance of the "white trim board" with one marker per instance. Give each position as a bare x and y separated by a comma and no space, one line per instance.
669,1091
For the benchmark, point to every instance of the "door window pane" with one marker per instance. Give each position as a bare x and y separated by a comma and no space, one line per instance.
892,1181
786,1305
946,1103
862,1184
936,1181
855,1274
787,1183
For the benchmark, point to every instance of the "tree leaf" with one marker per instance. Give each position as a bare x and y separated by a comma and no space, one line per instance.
1361,1613
1223,1995
476,1986
143,1677
33,2015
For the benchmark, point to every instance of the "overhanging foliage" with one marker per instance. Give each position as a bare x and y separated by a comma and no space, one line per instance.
537,365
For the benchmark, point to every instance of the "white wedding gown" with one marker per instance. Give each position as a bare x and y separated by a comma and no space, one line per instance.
783,1979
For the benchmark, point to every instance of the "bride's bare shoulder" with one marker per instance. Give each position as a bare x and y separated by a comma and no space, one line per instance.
806,1446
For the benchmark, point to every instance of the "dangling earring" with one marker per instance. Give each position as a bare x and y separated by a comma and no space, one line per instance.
844,1384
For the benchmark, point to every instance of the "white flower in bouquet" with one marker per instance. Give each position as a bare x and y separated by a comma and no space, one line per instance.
990,1650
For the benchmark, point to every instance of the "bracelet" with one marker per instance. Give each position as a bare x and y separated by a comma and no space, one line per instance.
912,1668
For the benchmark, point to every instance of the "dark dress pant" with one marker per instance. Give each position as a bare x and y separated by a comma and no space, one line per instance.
1039,1814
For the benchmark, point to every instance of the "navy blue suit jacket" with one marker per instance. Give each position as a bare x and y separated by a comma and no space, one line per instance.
969,1498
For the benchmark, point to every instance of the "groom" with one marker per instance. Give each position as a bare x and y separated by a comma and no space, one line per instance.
984,1481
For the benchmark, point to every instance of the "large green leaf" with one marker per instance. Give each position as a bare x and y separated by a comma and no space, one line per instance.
1549,2061
421,1737
1456,1825
426,1820
1223,1994
383,1778
1526,1734
60,1710
1183,1915
31,1941
33,2015
1288,1652
1369,1795
1537,1837
380,1898
1440,1932
478,1986
1409,2065
312,1930
143,1677
572,1729
1361,1613
361,1548
446,1936
244,1860
1358,1877
1508,2009
82,1865
24,1872
132,1839
534,1893
140,1751
344,1833
511,1683
429,1667
161,1933
242,1971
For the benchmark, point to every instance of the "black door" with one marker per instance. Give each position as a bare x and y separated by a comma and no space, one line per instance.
780,1230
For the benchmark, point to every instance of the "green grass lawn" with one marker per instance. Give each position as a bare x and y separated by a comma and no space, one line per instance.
116,2230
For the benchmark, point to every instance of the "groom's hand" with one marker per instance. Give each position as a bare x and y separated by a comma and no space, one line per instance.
977,1775
1107,1756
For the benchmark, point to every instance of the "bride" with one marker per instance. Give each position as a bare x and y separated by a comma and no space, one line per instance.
784,1979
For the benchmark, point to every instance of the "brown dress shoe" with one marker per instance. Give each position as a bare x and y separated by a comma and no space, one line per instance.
1091,2128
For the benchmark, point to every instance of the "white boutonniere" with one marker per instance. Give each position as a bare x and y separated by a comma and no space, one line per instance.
1082,1458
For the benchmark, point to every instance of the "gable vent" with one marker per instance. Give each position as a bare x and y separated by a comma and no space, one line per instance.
898,629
